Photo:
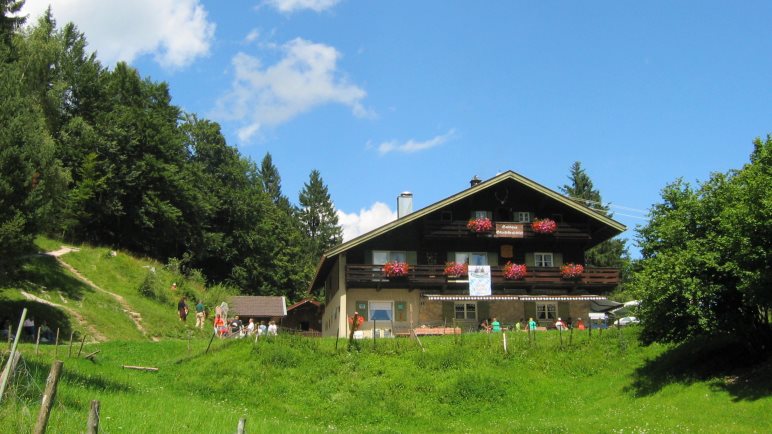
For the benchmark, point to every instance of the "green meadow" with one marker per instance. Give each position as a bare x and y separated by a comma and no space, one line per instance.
601,383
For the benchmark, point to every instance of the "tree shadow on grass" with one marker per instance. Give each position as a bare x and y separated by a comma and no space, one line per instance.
722,361
44,272
10,310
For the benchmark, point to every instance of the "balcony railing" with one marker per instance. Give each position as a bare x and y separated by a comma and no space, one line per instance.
457,229
431,276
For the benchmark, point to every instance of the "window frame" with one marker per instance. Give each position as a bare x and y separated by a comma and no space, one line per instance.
543,255
371,311
393,255
465,310
546,311
523,216
469,256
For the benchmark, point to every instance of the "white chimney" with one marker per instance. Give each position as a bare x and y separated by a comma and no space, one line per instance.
404,204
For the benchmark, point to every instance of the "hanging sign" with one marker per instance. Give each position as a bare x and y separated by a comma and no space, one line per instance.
479,280
509,230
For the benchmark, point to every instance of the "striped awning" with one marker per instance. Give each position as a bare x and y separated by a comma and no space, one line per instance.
441,297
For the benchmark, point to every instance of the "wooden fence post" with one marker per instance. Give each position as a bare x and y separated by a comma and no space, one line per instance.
10,367
69,353
6,376
92,426
210,342
242,426
56,345
48,397
504,335
82,341
37,341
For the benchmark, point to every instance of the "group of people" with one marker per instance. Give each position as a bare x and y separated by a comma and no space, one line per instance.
236,327
223,327
488,325
29,330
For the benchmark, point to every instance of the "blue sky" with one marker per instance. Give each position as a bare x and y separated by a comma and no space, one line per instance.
391,96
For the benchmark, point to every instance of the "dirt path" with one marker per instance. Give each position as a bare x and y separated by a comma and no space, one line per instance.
92,331
136,317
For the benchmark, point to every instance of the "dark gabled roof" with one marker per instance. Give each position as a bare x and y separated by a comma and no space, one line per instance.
304,302
245,305
324,262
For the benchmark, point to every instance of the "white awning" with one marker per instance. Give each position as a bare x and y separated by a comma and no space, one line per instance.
442,297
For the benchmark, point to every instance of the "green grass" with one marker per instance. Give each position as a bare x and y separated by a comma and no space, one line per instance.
463,384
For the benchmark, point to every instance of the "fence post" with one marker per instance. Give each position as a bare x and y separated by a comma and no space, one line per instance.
37,341
6,376
504,335
242,426
69,353
48,397
93,418
56,345
82,341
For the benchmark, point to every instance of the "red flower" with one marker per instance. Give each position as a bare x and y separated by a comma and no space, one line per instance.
360,321
514,271
395,269
456,269
481,224
571,270
544,226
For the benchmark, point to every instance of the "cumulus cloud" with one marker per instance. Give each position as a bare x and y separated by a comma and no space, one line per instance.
289,6
175,32
305,77
354,224
413,145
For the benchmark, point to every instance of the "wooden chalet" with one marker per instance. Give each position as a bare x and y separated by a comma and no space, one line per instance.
353,279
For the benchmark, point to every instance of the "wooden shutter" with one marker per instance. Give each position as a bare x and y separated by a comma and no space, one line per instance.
401,311
557,259
564,310
361,307
411,257
448,311
529,310
529,261
368,257
493,258
451,256
483,310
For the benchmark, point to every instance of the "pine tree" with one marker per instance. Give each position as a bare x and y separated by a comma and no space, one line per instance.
610,253
317,217
271,182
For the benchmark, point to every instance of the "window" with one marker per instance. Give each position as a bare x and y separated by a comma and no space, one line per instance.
472,258
381,257
546,311
480,214
543,259
466,310
381,310
523,217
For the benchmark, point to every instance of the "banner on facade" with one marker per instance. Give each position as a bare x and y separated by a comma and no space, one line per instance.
479,280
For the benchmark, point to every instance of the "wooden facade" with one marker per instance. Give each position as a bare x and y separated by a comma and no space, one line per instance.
352,278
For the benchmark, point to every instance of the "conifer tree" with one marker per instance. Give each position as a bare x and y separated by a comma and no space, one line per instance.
610,253
271,182
317,217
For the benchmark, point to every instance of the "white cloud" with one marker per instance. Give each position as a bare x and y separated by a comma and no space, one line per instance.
289,6
355,224
306,77
175,32
414,146
252,36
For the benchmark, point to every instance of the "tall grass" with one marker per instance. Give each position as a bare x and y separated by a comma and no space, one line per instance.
297,384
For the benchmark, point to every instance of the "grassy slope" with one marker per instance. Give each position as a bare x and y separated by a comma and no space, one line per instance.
458,385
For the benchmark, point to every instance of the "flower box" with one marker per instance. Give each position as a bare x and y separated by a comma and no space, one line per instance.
571,270
482,224
455,269
514,271
544,226
395,269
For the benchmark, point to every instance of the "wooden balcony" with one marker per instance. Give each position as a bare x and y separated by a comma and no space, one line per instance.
432,277
458,229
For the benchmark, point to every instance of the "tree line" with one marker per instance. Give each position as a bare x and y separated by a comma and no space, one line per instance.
103,156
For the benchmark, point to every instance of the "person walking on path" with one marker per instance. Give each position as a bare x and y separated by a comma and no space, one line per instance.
200,314
182,309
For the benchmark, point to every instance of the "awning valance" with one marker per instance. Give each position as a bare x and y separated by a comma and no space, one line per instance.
443,297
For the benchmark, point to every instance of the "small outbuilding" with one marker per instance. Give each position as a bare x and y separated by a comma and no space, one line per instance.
258,308
305,316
